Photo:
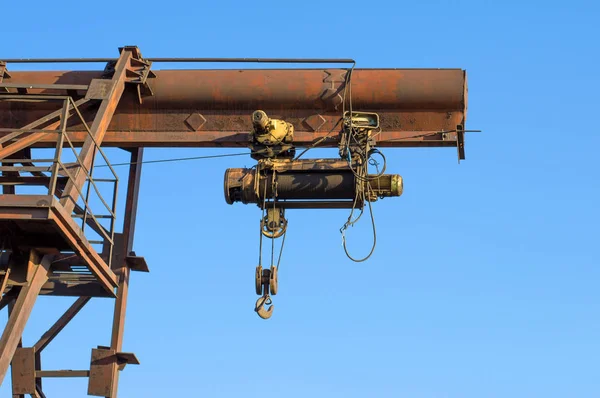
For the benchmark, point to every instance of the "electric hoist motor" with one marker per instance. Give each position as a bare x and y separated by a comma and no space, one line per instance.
306,184
279,182
270,138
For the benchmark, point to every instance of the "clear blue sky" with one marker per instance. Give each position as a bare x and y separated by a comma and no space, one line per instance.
485,278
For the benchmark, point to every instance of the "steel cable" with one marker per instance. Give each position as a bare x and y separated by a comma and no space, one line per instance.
176,159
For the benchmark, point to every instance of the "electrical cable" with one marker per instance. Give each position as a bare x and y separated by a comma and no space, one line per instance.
262,220
361,174
374,239
176,159
274,197
317,142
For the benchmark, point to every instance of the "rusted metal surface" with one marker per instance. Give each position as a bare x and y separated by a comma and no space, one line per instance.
28,211
56,167
23,371
415,105
22,309
99,127
3,74
9,297
130,106
100,381
118,329
248,90
220,139
62,373
11,307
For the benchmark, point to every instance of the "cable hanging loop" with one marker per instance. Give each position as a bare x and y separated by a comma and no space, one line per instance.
357,147
345,227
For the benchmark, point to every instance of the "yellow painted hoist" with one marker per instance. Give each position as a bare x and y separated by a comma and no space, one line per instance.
281,180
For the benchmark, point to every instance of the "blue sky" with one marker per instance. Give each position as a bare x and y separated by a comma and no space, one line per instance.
484,281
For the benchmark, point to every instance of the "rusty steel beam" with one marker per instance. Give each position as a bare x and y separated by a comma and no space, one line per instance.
31,139
44,207
45,181
232,139
9,297
60,324
62,373
13,331
19,347
211,108
190,108
118,329
97,131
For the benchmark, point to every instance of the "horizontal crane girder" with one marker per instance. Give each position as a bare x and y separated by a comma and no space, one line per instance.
210,108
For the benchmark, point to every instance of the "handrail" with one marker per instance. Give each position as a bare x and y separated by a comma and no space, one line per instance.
91,180
87,207
94,140
58,168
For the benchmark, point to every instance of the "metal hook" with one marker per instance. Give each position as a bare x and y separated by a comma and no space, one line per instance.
260,307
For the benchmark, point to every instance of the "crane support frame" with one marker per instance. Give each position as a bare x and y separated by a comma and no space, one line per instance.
129,105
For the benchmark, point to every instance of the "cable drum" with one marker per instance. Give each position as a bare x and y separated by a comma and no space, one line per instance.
303,188
312,186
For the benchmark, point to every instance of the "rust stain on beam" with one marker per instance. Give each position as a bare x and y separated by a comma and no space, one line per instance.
406,89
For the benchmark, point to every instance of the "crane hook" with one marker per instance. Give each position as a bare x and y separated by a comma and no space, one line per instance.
260,307
266,285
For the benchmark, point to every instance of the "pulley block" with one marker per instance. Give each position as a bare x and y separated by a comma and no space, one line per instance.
280,182
266,280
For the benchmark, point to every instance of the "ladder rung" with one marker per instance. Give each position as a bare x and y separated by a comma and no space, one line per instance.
62,373
103,179
26,168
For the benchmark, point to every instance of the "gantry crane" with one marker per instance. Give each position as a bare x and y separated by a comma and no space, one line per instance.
63,240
